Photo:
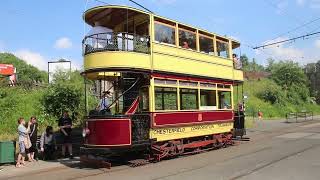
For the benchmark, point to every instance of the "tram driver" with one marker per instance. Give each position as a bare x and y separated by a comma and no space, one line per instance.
104,104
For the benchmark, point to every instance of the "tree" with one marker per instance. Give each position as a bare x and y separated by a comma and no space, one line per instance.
64,93
288,73
59,98
244,61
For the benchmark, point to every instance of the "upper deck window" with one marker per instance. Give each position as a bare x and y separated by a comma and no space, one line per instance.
206,44
164,33
187,39
222,48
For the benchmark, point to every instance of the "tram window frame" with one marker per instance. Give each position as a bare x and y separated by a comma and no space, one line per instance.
166,82
224,86
206,50
172,91
229,97
187,91
208,85
209,102
224,52
144,99
156,34
191,84
192,43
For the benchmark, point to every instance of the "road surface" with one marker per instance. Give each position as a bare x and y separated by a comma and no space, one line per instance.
277,150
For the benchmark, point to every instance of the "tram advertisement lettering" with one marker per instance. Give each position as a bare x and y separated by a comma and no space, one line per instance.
169,131
163,134
202,127
224,124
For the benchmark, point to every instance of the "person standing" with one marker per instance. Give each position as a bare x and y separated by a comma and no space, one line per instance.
65,125
23,134
33,138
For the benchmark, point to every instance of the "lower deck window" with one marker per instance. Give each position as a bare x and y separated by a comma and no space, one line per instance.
224,100
188,99
166,98
208,100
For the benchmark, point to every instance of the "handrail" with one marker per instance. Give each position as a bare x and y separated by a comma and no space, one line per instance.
296,115
116,41
138,79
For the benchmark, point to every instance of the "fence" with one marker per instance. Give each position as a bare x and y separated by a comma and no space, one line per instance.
304,115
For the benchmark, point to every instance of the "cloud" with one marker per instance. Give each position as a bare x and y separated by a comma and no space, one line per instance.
317,43
300,2
281,6
33,58
63,43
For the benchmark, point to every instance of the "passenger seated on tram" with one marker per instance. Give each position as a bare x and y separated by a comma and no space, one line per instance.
223,102
99,35
103,106
185,45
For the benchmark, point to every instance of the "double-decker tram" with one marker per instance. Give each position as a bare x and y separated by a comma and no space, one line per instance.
155,85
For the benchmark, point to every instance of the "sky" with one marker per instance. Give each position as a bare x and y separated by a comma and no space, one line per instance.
39,31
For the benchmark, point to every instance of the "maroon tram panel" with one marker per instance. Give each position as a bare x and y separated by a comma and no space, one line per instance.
109,132
194,117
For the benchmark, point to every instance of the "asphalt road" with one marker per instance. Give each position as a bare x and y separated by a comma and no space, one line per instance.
277,150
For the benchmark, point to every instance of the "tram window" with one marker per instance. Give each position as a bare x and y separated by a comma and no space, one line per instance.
165,81
188,99
208,100
206,45
222,49
224,86
207,85
165,98
188,83
187,39
224,99
144,102
164,34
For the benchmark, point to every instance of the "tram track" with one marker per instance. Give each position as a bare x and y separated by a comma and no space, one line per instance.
261,137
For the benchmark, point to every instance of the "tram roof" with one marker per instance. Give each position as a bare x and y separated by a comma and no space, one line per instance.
90,13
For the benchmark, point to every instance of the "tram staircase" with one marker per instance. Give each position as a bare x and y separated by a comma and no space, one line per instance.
140,122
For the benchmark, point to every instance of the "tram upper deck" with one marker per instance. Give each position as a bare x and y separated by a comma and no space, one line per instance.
125,38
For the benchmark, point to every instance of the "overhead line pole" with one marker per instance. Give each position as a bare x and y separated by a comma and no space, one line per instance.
283,41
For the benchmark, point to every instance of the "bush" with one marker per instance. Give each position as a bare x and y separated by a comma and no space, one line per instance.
273,94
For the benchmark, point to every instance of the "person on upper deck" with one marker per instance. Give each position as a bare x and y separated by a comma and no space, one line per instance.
236,61
99,35
185,45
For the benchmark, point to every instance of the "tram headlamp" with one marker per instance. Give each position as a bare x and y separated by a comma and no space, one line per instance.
86,130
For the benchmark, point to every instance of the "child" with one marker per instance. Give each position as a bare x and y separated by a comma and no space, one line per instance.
48,144
23,134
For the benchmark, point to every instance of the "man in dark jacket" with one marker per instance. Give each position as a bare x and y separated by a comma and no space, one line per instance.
65,125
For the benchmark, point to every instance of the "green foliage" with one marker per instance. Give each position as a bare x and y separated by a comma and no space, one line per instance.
27,74
64,94
287,74
250,66
267,96
59,98
17,102
272,93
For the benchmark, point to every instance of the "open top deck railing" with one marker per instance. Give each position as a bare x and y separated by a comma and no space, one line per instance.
116,41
